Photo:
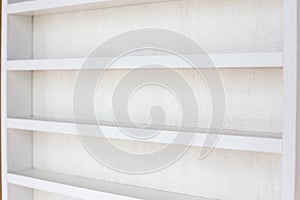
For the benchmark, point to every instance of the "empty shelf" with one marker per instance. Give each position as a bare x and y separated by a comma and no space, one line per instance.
240,60
86,188
42,7
230,139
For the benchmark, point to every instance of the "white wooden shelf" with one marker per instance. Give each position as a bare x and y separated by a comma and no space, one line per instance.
244,40
41,7
230,139
88,189
267,59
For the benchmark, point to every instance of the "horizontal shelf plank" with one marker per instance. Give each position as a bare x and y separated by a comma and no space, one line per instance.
229,139
240,60
42,7
85,188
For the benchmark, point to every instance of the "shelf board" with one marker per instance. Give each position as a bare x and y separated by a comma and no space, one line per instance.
230,139
43,7
86,188
240,60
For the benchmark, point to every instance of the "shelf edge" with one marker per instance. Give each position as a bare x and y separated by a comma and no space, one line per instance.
230,142
240,60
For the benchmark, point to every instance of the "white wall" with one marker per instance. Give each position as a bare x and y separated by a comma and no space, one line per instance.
253,97
218,26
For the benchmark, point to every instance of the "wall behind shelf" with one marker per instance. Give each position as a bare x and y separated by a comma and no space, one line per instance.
253,97
218,26
38,194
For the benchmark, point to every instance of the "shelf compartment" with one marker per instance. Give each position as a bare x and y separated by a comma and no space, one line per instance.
240,60
86,188
42,7
230,139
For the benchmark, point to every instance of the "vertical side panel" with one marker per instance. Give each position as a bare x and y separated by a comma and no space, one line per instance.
3,101
19,38
19,93
19,144
297,182
290,101
17,90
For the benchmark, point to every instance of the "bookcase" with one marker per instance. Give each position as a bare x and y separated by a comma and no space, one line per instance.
252,45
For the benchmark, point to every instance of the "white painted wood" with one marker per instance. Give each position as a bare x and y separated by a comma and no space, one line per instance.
250,92
20,153
89,189
20,193
253,97
39,194
19,93
4,160
234,140
220,61
297,169
239,27
222,27
291,149
20,37
249,173
78,190
16,1
42,7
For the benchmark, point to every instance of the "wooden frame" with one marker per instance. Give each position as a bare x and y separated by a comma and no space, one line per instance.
290,154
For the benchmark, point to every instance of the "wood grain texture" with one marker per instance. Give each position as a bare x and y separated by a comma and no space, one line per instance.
253,97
